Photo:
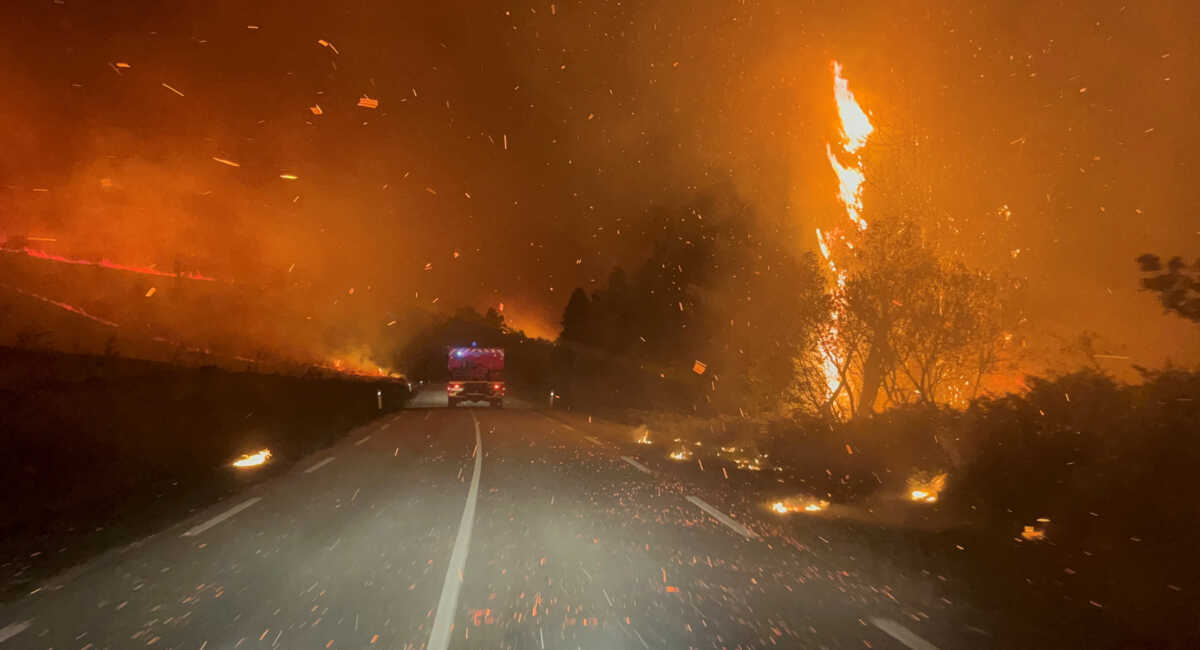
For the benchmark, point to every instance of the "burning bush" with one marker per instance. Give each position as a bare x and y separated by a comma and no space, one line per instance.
926,487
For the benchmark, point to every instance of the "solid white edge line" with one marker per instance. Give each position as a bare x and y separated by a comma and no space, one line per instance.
636,464
902,634
723,518
439,637
200,528
320,465
9,631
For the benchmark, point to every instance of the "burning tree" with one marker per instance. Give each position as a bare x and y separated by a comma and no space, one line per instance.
916,326
904,320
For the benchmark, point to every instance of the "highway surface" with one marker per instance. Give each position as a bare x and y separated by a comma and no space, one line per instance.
480,528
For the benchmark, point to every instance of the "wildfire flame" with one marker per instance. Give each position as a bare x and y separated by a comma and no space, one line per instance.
856,129
856,126
681,454
108,264
644,437
850,181
804,504
253,460
926,489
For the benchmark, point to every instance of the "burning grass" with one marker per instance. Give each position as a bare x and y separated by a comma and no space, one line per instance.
926,487
805,504
253,460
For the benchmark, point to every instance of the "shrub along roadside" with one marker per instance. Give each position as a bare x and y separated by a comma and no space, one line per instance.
101,450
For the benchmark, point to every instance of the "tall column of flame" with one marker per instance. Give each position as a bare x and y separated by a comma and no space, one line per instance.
856,129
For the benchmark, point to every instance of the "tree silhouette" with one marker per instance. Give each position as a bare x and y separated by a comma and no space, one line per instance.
1177,286
576,319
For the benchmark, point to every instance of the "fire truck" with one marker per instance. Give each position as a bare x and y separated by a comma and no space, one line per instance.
476,375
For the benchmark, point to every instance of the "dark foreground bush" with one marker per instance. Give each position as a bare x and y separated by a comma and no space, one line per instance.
88,440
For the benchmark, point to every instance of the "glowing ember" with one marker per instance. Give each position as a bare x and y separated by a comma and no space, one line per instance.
1033,533
925,488
253,460
748,464
779,507
681,454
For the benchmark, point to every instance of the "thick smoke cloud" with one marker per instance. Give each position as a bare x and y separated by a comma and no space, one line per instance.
518,151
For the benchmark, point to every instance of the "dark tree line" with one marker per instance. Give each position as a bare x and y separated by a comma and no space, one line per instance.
713,290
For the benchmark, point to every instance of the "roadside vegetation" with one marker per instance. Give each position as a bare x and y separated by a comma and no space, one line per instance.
100,450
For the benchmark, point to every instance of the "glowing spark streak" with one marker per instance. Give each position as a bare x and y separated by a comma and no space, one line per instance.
108,264
226,162
172,90
289,177
62,305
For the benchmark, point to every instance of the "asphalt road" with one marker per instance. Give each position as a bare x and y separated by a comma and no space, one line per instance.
480,528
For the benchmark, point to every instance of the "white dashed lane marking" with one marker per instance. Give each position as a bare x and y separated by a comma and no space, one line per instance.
902,634
319,465
723,518
9,631
200,528
365,438
636,464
